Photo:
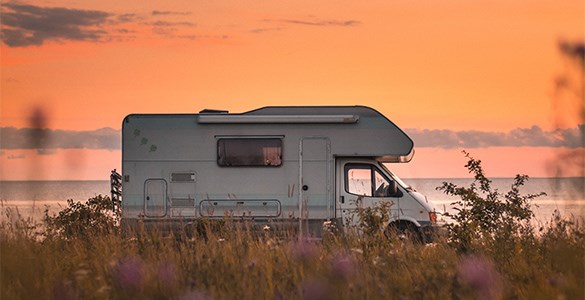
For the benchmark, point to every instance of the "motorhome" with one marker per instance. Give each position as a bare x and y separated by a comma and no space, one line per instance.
295,167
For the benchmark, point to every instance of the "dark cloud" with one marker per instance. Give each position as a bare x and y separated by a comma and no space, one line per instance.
317,22
16,156
46,151
170,24
28,25
323,22
521,137
126,18
20,138
170,13
266,29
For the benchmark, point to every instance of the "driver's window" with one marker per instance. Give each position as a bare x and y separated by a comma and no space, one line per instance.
359,180
365,180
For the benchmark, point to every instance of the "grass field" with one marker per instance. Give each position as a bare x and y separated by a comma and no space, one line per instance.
548,263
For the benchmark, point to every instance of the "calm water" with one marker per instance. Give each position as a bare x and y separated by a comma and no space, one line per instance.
565,194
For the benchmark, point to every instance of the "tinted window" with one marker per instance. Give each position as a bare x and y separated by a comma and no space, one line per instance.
249,152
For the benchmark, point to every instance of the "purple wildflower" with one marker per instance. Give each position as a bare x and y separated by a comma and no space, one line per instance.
64,290
343,266
129,273
167,274
196,295
481,275
304,251
315,289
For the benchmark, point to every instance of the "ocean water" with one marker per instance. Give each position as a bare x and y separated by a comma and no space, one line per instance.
31,198
567,195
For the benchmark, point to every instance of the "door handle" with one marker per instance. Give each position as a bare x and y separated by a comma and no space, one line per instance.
342,199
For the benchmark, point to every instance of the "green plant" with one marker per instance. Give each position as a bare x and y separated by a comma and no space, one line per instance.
82,220
372,220
483,214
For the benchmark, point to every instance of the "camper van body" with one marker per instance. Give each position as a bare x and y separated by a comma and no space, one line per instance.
296,167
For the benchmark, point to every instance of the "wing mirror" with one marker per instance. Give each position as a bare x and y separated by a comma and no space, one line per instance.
392,190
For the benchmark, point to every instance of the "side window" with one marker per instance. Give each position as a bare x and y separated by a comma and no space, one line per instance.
358,180
365,180
249,152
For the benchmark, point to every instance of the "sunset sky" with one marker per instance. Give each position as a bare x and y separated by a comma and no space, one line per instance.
476,75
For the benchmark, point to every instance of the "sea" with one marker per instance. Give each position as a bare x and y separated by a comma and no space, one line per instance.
32,198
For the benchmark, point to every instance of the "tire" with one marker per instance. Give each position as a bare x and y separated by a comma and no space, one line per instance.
404,230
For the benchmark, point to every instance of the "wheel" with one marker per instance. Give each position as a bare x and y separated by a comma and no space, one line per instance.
404,230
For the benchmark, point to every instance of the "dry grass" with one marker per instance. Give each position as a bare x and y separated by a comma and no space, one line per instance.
235,264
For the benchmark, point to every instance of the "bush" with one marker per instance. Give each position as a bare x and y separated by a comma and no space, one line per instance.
372,221
485,216
82,220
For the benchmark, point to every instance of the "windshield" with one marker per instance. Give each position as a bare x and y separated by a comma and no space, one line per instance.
396,178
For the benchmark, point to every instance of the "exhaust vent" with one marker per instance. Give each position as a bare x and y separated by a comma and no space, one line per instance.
183,177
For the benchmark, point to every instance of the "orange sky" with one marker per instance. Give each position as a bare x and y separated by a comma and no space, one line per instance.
456,65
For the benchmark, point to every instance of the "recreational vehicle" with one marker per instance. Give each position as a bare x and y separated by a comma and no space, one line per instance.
296,167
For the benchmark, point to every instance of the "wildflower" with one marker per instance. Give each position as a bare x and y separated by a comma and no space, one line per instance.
343,266
128,273
315,289
481,275
304,251
196,295
251,264
167,274
64,290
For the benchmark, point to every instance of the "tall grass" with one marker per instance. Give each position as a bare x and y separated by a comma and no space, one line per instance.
234,264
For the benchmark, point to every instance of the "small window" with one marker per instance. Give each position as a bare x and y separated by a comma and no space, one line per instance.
249,152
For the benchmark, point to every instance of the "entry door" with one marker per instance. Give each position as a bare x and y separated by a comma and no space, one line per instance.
315,201
360,185
155,197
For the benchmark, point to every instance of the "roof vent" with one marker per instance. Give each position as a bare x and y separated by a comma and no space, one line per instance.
213,111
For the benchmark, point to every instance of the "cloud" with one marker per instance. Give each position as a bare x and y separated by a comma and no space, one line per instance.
314,22
170,13
27,25
521,137
347,23
318,22
266,29
24,138
170,24
108,138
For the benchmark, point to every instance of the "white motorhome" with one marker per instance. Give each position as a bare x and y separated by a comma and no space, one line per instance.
300,167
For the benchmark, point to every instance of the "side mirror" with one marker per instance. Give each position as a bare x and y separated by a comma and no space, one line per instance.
392,190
